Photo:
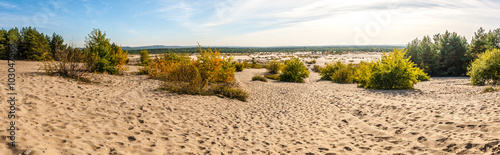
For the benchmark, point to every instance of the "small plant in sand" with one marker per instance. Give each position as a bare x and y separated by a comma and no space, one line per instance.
294,71
274,76
490,89
311,62
392,72
316,68
486,68
259,77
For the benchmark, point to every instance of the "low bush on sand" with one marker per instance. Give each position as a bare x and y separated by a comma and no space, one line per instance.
486,68
294,71
259,77
274,67
392,72
311,62
210,74
273,76
239,66
316,68
69,64
145,58
490,89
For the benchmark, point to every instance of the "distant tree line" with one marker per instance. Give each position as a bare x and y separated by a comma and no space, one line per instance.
28,43
332,49
449,54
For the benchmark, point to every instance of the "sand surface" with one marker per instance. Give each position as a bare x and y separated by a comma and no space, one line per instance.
128,115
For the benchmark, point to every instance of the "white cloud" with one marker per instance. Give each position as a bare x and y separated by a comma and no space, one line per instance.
7,5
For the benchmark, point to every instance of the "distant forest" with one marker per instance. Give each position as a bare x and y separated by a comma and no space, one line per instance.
333,49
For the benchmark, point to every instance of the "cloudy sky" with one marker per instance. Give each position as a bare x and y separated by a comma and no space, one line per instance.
252,22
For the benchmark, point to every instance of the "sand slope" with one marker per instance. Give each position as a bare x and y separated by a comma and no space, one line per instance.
128,115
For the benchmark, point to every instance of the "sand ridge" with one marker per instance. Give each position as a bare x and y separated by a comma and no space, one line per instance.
128,115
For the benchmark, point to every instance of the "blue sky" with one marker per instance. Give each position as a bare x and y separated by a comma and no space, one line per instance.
252,22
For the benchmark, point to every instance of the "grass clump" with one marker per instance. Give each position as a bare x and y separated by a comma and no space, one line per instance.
210,74
311,62
490,89
274,76
259,77
486,68
230,91
294,71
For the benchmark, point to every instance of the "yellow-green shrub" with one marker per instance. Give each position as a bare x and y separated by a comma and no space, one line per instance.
239,66
330,68
486,68
294,71
392,72
145,58
345,74
274,77
259,78
210,74
274,67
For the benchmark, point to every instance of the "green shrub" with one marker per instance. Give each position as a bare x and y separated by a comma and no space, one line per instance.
294,71
259,78
486,68
246,64
102,56
145,59
330,68
344,74
274,67
392,72
239,66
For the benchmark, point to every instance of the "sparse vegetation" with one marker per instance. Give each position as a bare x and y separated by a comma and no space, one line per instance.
294,71
69,64
486,68
210,74
259,77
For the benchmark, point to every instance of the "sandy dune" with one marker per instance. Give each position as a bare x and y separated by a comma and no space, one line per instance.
128,115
